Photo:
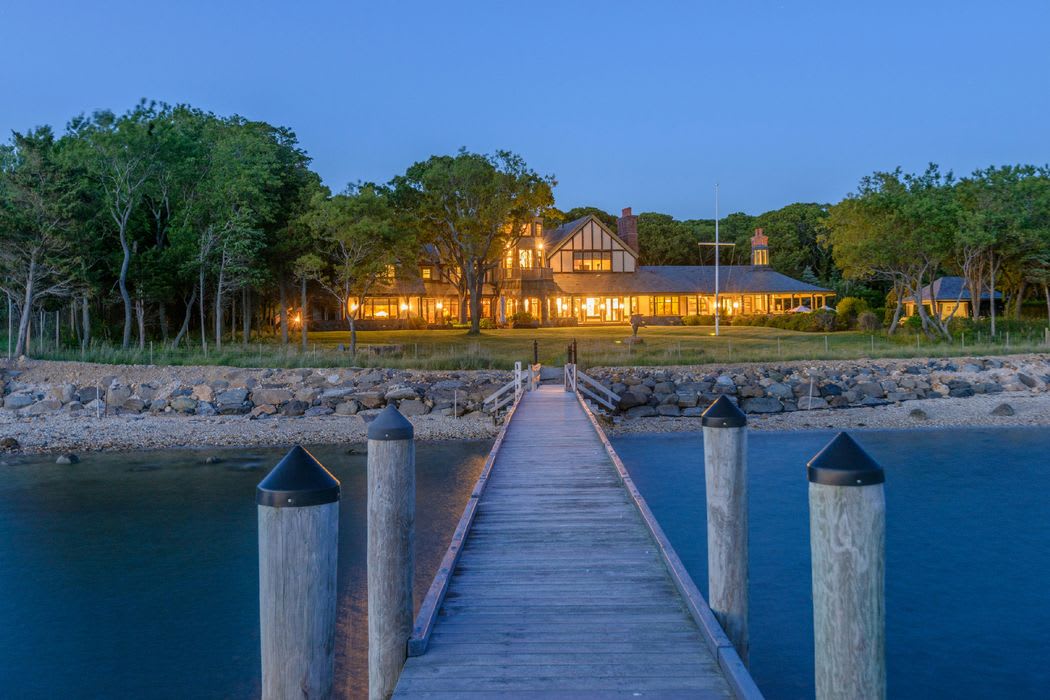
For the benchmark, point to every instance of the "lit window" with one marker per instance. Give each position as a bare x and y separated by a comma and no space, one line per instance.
427,273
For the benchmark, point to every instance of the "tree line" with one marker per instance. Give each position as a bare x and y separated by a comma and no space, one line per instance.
168,221
174,224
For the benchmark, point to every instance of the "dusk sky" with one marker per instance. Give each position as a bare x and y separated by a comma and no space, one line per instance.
627,104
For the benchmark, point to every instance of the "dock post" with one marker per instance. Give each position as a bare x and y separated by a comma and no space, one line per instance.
535,352
847,521
391,547
725,471
298,504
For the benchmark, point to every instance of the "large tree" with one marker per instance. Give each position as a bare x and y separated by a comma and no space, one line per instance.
37,199
358,240
473,207
898,228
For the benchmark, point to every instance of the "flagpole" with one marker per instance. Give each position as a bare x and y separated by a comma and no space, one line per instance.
717,246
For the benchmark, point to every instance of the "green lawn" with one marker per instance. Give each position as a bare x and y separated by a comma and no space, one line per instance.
667,345
598,346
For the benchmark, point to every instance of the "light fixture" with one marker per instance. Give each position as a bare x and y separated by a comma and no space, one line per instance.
404,307
440,305
736,304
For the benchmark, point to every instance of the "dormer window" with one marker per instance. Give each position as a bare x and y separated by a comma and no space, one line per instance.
426,273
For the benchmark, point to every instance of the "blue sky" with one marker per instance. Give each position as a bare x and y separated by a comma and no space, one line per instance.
628,104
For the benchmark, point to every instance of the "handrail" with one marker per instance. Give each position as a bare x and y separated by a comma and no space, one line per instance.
598,385
500,398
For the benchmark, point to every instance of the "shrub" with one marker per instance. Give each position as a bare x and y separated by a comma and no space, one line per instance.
868,321
913,323
698,320
850,308
522,317
486,324
415,323
563,322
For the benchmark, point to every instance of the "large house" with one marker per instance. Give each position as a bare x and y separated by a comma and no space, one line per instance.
584,272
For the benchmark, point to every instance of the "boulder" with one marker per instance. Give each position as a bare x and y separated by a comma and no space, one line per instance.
67,458
664,388
62,392
780,391
183,404
693,411
17,401
42,407
1003,409
687,399
641,412
808,403
263,410
746,391
669,410
87,394
315,411
116,395
205,408
9,443
203,392
273,397
830,390
871,389
630,399
918,414
231,398
295,407
1028,381
133,405
412,407
398,393
762,404
369,399
960,389
347,408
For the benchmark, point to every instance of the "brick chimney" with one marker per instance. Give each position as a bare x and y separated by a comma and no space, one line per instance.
627,228
760,249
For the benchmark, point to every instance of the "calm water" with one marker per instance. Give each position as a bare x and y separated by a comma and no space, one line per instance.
968,554
136,575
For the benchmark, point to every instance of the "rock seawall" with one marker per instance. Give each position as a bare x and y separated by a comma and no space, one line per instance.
43,388
786,387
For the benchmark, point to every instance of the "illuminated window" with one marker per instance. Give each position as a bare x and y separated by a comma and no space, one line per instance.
665,306
427,273
525,259
591,260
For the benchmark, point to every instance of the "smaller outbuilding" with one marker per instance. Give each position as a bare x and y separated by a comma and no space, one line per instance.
950,297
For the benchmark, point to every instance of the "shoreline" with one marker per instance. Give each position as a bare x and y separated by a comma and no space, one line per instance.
58,433
1030,410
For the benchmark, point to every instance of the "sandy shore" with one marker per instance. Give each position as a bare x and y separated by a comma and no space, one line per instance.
63,433
1030,409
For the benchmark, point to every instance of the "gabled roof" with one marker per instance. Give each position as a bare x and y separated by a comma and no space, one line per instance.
684,279
952,288
555,238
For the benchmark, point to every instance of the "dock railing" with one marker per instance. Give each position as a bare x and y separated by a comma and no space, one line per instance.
580,382
524,380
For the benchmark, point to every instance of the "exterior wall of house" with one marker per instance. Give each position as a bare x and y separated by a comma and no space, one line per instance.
592,249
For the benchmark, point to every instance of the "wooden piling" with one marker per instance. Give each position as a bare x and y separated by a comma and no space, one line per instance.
391,547
298,504
725,471
847,516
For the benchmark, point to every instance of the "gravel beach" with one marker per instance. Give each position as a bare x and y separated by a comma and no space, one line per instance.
63,433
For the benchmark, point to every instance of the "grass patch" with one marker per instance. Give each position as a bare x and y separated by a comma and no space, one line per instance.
597,346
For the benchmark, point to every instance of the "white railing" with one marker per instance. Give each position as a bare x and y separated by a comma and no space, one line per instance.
578,381
524,380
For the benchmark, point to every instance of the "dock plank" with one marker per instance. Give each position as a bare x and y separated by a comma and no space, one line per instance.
558,587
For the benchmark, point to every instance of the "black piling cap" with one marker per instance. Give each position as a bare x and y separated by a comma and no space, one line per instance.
298,480
843,462
723,413
390,425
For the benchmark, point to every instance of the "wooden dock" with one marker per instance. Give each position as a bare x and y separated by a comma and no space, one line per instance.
559,582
